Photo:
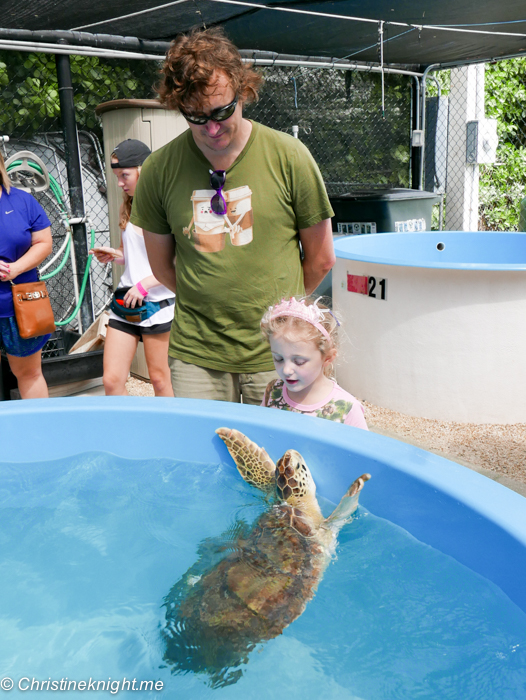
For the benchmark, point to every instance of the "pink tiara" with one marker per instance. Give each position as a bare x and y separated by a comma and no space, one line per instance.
292,307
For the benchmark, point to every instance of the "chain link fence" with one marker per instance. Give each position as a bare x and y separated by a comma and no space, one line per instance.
339,117
30,117
477,196
503,185
359,141
337,114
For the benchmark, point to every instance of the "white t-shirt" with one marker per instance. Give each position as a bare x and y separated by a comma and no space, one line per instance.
136,268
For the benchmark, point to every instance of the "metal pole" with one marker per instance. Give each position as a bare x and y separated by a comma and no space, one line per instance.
434,66
416,152
74,171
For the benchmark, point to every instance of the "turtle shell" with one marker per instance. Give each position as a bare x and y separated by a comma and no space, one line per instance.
250,596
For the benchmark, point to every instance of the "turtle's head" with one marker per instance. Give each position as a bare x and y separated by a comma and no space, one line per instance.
294,482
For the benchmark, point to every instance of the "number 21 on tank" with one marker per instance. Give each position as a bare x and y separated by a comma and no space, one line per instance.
368,286
377,288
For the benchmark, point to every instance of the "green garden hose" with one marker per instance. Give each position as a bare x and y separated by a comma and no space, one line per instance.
83,286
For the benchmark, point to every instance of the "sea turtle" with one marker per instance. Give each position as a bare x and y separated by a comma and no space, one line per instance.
215,615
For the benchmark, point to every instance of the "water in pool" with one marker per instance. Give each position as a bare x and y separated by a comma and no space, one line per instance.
92,545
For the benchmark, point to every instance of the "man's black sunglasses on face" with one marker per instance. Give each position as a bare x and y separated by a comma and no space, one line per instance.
217,115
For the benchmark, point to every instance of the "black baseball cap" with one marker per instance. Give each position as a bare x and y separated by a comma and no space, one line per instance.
130,154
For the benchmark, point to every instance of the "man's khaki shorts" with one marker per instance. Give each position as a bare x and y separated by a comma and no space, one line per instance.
194,382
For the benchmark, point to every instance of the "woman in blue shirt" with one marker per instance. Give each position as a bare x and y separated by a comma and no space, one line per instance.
25,241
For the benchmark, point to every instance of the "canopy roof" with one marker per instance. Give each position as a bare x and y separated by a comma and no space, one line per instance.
420,33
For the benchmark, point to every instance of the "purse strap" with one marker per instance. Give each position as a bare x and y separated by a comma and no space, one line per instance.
38,278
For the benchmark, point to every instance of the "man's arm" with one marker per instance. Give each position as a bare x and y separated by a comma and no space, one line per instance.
318,253
161,255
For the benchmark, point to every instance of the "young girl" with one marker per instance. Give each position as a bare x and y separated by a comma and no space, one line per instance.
302,336
138,286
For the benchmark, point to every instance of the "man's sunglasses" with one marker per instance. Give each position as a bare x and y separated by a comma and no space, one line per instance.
217,182
217,115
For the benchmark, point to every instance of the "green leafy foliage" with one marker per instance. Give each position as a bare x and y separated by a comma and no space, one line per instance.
506,99
30,97
503,186
339,114
501,189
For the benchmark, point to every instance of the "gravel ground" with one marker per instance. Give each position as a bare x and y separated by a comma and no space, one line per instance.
497,449
136,387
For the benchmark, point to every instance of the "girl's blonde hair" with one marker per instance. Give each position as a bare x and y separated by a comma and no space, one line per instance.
293,328
4,177
125,211
126,206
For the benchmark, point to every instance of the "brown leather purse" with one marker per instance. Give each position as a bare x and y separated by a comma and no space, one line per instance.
34,315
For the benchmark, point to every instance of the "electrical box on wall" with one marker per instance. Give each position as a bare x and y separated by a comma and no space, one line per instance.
417,139
481,141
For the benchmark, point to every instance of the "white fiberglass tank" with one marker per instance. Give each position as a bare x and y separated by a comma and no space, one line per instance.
435,323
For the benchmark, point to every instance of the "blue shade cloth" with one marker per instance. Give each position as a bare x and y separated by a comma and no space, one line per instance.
20,216
13,344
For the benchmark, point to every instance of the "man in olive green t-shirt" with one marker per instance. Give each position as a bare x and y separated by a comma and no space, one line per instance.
230,200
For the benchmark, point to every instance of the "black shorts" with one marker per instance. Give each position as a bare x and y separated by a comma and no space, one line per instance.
139,331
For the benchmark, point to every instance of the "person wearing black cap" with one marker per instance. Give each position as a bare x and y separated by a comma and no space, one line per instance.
142,308
129,154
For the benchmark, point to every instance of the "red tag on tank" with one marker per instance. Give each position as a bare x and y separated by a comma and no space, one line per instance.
357,284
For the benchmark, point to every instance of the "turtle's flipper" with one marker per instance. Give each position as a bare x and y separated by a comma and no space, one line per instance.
252,461
348,504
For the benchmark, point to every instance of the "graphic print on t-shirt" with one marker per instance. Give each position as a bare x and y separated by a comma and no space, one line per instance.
208,231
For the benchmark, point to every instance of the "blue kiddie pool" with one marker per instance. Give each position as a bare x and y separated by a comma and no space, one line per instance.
107,503
434,323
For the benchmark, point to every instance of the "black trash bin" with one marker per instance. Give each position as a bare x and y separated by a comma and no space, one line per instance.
383,210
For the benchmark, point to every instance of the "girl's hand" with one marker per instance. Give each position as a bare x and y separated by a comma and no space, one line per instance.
133,298
8,271
105,254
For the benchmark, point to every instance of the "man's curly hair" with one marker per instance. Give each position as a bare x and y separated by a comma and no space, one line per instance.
190,62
